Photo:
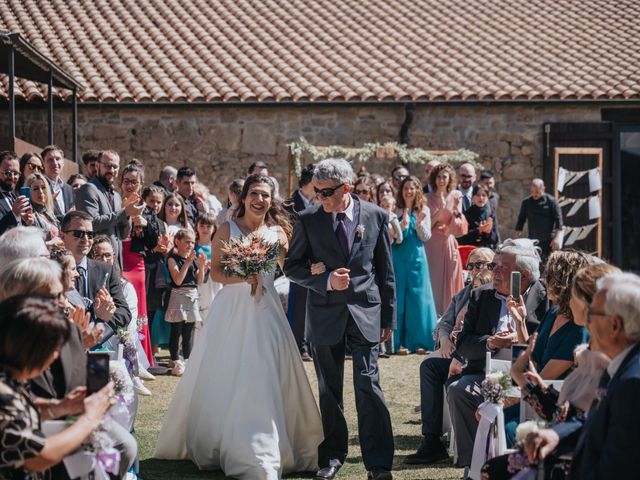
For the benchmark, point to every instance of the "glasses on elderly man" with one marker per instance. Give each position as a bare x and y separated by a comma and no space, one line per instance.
327,192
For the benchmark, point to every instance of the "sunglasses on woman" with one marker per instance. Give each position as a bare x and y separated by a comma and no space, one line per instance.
361,192
327,192
34,167
480,265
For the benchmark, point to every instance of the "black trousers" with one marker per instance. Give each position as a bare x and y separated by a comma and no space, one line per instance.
184,330
374,421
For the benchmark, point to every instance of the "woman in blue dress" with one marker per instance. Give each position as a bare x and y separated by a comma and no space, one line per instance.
416,311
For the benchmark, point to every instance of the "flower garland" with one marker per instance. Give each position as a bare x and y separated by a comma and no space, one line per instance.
303,149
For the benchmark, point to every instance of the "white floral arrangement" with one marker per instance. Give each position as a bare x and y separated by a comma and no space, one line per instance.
524,429
495,386
360,231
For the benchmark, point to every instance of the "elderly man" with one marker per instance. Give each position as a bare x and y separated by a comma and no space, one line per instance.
488,327
466,177
104,205
167,179
22,242
605,445
544,217
53,159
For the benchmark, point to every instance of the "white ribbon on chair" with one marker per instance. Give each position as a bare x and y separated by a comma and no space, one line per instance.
490,442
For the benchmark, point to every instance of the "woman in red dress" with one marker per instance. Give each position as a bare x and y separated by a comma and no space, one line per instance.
132,252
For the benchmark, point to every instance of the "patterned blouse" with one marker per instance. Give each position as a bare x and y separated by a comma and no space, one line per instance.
20,435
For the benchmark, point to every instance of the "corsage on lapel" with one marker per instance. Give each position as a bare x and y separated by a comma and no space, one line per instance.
360,231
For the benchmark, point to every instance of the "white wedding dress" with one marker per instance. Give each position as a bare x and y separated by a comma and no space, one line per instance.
244,403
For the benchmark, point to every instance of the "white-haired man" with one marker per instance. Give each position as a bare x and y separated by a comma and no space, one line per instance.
352,302
488,327
22,242
605,445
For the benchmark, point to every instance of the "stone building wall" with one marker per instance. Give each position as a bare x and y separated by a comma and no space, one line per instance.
220,142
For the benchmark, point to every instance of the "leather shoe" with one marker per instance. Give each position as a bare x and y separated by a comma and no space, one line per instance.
431,450
379,474
327,473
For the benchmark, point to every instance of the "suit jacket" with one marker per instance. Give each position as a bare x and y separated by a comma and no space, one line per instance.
95,278
370,297
481,321
112,221
7,218
67,198
67,372
605,445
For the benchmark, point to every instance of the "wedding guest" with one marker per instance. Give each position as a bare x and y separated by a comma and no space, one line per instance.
44,217
447,223
22,242
398,174
90,160
53,158
467,177
428,168
482,221
194,205
388,204
30,162
32,332
201,191
544,218
174,214
14,209
385,189
376,179
363,188
258,168
579,388
76,181
487,179
233,201
187,271
604,446
167,179
205,230
416,315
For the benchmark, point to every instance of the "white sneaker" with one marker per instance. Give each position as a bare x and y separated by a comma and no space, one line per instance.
144,374
178,368
139,387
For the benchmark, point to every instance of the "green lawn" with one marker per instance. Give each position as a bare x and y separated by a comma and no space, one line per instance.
399,381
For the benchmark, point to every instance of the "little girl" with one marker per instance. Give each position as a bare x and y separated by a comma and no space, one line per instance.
388,203
174,214
183,310
205,230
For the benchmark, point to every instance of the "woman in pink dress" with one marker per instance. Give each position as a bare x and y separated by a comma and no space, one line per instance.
447,223
132,258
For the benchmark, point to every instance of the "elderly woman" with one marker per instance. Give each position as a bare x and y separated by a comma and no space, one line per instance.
32,332
42,202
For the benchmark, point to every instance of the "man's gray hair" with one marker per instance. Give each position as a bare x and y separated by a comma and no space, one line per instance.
22,242
527,255
623,299
168,172
25,276
336,169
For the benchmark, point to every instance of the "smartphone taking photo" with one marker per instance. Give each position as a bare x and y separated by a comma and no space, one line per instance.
97,371
515,285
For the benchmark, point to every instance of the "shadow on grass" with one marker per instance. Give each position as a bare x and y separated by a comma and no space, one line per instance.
401,442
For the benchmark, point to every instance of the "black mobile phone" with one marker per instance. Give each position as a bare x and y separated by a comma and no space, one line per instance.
515,285
517,349
25,192
97,371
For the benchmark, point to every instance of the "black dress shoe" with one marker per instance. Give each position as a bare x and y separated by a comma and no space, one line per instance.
327,473
431,450
379,474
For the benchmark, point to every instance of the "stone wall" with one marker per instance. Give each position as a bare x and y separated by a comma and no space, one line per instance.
220,142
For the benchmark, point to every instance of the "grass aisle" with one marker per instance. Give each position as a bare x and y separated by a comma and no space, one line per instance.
399,378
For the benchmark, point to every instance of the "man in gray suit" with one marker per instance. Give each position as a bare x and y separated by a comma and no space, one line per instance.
352,302
98,198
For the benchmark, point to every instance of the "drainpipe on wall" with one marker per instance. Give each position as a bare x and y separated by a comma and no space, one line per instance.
409,110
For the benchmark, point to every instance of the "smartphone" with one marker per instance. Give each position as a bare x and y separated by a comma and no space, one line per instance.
25,192
517,349
515,285
104,281
97,371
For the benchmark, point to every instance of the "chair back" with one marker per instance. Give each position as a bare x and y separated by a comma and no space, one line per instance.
494,365
464,251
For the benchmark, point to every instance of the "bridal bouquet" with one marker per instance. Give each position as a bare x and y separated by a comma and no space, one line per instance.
495,386
249,256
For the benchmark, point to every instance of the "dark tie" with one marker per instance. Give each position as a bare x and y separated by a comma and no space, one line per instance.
111,198
466,203
341,233
81,281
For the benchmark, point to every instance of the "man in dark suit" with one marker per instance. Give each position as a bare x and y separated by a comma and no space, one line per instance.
301,199
605,445
487,326
13,208
466,177
53,159
97,281
185,181
352,302
105,206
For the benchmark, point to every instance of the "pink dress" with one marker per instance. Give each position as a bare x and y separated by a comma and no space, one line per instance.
445,264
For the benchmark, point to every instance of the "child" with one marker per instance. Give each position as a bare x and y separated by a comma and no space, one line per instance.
174,214
388,203
205,230
183,310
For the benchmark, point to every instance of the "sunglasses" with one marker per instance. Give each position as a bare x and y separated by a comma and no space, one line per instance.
34,166
399,178
479,265
11,173
327,192
361,192
81,233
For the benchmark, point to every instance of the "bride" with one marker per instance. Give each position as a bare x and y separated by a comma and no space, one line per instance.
244,404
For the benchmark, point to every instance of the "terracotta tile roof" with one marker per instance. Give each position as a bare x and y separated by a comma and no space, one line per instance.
335,50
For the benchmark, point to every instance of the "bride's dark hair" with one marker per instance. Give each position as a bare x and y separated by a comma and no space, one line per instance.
276,215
